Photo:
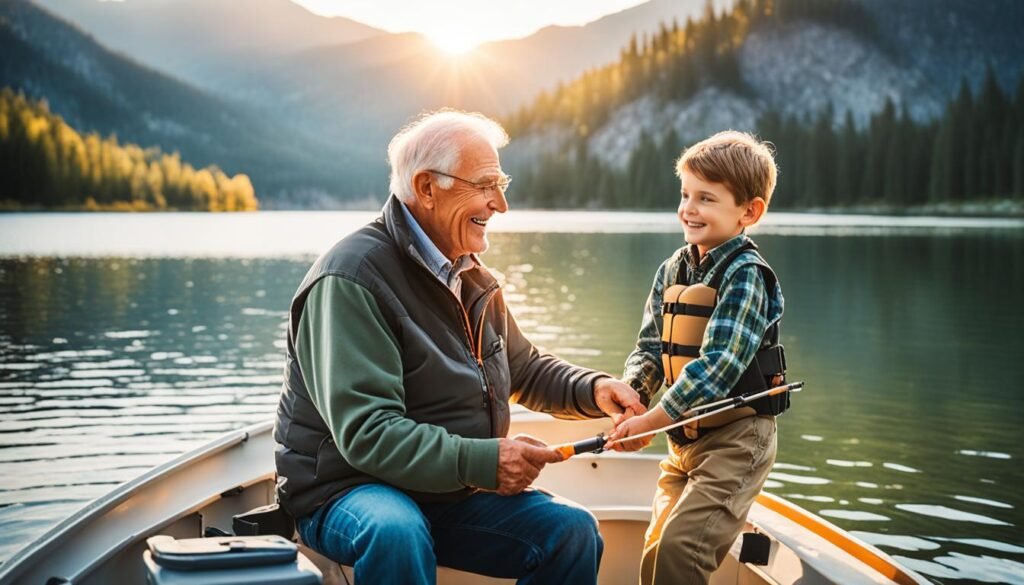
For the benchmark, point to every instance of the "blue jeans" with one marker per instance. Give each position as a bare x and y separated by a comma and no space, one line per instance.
389,538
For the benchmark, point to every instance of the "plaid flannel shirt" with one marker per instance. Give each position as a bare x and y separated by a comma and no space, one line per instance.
734,333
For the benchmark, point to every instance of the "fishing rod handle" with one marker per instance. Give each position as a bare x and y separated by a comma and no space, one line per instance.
592,445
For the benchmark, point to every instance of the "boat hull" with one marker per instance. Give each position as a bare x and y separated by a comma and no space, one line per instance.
104,542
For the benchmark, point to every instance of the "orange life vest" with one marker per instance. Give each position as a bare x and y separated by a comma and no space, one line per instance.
686,310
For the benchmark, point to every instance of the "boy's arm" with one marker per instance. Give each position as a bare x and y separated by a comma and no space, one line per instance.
643,370
733,336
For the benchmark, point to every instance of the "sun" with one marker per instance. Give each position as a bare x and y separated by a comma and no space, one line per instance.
454,41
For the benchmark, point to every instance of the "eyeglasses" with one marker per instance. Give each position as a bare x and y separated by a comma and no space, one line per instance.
500,184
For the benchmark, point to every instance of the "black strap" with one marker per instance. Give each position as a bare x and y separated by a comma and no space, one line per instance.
723,266
771,336
771,360
676,350
687,309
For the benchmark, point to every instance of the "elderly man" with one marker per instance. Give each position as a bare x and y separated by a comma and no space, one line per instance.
402,360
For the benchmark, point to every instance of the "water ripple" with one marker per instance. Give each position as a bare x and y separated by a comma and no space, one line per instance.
950,514
800,479
989,454
899,467
983,501
896,541
855,515
132,334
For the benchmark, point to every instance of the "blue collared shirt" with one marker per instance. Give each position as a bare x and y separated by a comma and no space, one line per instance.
437,262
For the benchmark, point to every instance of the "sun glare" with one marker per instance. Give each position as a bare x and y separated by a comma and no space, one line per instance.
454,42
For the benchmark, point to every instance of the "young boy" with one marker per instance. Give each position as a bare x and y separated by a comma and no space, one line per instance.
712,473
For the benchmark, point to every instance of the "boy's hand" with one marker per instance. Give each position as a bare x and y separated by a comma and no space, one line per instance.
653,419
617,399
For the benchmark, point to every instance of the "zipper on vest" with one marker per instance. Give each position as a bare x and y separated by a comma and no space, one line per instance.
475,346
485,299
488,391
475,352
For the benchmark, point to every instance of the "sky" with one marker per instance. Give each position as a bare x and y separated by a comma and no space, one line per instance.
459,25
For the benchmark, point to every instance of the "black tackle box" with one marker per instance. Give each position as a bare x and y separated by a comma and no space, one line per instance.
228,560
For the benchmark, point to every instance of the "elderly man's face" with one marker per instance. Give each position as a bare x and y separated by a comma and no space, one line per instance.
458,220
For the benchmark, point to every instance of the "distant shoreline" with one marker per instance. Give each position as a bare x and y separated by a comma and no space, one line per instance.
120,207
972,209
994,208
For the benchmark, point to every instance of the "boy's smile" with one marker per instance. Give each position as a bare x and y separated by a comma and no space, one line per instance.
709,214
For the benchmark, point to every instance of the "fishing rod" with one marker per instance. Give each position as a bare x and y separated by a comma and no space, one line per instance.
600,442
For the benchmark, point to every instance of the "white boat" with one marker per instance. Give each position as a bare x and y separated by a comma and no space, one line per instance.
104,542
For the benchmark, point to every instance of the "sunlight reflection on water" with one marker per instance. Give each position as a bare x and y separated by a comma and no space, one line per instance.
104,374
290,234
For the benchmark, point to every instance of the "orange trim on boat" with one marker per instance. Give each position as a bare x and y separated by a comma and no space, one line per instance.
836,537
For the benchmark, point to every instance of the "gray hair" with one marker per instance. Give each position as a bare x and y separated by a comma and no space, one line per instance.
431,142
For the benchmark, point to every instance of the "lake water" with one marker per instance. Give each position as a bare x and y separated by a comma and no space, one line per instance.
128,339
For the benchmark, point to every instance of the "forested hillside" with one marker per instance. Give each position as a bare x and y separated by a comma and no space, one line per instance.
871,103
44,162
97,90
622,126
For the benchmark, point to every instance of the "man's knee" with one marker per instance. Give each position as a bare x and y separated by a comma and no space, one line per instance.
375,518
578,527
405,529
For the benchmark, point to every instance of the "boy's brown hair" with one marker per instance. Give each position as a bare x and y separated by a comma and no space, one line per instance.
744,164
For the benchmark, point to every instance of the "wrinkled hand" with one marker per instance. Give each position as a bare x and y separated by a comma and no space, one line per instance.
653,419
520,460
617,399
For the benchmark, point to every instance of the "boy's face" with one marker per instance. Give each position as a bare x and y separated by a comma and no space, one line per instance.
709,214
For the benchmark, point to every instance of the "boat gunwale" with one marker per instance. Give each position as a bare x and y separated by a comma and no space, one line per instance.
124,492
872,556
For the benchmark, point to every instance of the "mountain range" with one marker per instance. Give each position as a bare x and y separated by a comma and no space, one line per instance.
308,103
913,54
97,90
207,42
305,104
233,46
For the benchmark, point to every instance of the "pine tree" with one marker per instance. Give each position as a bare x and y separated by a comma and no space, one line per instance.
847,162
893,189
881,129
45,162
818,163
918,164
992,116
942,160
1018,165
962,161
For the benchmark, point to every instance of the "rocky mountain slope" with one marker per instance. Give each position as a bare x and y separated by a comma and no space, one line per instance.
209,43
916,57
97,90
309,119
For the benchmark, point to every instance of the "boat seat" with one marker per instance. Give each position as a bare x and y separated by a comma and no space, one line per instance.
336,574
622,528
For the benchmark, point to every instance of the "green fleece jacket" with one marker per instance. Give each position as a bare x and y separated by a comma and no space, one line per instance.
353,369
392,378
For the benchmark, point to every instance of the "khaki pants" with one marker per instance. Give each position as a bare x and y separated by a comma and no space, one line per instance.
704,493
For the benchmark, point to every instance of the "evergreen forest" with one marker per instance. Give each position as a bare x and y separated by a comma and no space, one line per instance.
973,152
46,163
